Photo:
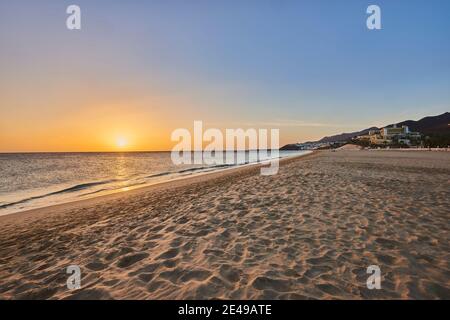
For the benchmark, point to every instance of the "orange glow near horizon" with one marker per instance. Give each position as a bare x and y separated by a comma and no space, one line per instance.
87,126
89,135
97,125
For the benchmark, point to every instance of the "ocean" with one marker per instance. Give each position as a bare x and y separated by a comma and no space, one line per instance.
34,180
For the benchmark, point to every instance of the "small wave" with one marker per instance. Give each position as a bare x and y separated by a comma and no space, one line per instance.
118,187
82,186
158,174
205,168
74,188
165,173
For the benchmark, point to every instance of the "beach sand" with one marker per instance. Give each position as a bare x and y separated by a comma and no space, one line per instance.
309,232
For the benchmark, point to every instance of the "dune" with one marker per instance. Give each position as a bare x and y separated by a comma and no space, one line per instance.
350,146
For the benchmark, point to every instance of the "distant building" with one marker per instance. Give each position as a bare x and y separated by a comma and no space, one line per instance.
388,132
390,135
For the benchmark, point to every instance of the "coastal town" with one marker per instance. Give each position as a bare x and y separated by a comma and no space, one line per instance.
394,135
428,133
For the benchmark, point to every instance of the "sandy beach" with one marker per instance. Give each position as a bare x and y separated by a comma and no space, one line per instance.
309,232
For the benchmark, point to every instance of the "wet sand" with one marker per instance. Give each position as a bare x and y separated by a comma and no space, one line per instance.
309,232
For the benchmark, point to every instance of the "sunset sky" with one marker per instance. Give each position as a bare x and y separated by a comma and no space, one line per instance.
140,69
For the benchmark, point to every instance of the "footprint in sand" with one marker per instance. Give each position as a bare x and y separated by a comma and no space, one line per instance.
169,254
264,283
96,266
329,289
131,259
172,275
198,275
40,294
181,275
229,273
150,268
90,294
146,277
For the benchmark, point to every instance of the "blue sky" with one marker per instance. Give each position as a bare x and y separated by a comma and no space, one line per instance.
310,67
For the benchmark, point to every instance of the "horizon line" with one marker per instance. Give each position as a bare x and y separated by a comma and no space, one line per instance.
128,151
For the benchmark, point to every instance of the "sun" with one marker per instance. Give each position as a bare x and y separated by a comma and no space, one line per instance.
121,142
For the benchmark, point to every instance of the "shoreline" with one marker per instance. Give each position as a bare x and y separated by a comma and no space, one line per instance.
117,194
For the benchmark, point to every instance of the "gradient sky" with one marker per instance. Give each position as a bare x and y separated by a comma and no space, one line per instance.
140,69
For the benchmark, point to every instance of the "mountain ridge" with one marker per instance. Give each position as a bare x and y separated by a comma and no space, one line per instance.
439,124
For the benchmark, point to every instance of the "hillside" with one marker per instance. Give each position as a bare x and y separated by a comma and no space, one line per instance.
435,126
430,125
345,136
